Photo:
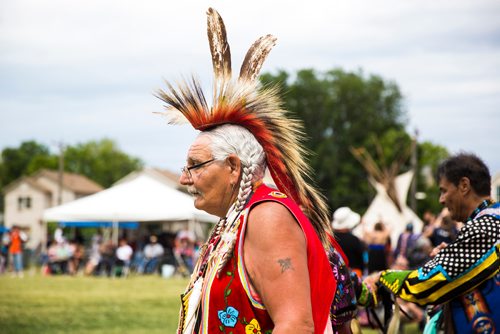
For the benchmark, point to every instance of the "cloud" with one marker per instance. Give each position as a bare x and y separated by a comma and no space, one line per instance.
76,71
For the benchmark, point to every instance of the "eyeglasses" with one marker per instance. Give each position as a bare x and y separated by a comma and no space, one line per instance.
187,169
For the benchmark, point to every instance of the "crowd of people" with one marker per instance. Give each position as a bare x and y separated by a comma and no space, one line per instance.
373,252
100,256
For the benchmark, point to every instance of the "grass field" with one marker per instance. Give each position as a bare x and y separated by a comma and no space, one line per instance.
63,304
138,304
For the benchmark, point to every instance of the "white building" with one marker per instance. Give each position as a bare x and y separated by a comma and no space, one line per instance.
26,198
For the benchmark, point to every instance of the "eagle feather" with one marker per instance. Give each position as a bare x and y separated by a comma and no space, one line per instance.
219,47
256,56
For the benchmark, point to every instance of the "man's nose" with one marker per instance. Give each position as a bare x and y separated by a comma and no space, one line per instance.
185,179
441,199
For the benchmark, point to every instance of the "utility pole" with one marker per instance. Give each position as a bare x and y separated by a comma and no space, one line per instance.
60,173
414,166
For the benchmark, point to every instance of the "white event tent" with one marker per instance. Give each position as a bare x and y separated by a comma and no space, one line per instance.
142,199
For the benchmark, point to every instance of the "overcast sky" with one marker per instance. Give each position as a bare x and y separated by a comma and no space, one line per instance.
73,71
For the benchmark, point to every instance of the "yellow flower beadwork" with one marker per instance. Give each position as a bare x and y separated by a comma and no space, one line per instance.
253,327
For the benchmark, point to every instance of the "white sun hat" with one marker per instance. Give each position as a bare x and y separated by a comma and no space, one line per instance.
344,218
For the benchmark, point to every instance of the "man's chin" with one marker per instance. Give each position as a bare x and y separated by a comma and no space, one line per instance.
456,217
197,202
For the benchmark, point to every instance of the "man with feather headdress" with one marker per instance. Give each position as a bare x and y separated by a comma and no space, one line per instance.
264,267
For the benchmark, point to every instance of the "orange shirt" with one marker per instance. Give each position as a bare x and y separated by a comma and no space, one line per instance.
15,243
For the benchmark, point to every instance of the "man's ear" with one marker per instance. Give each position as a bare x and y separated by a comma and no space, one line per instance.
464,185
235,164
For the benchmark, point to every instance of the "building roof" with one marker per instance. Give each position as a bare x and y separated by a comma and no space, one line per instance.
174,177
168,174
32,182
74,182
167,177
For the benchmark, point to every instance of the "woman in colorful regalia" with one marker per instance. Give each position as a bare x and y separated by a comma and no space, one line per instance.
264,267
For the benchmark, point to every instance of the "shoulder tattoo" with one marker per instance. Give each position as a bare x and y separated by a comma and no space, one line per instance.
286,264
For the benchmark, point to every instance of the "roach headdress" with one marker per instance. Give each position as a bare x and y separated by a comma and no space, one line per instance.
259,109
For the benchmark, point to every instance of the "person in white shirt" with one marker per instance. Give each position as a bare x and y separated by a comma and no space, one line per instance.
124,256
124,251
153,253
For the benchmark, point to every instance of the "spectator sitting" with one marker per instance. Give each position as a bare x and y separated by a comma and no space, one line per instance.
78,253
184,252
123,258
107,263
59,255
95,254
152,254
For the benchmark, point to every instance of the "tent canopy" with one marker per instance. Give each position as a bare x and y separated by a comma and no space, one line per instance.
141,199
125,225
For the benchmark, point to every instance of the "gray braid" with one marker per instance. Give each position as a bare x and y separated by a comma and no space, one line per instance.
219,227
245,186
244,192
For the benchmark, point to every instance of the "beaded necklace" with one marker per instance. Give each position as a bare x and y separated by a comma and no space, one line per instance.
484,204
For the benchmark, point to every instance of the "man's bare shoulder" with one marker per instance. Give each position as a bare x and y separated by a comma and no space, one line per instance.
272,220
270,212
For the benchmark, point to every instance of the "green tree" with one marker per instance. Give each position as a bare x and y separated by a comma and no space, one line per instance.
430,156
16,162
341,110
101,161
22,160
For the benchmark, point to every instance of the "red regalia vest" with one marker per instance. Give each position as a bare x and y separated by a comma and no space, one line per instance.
228,305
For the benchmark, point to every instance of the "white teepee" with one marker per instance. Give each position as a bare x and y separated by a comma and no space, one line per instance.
389,205
384,209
